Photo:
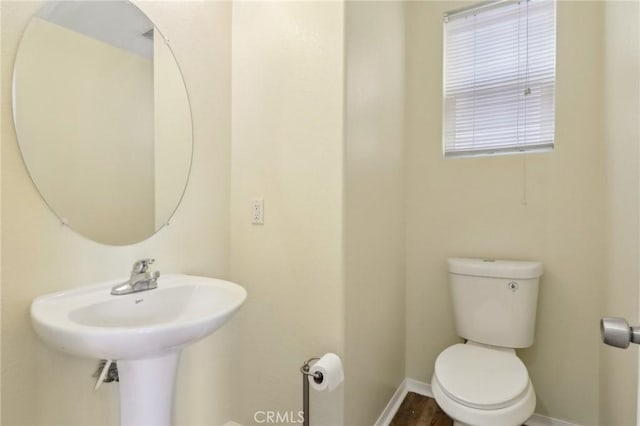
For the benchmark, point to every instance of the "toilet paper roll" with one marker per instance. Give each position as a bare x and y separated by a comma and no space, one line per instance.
330,366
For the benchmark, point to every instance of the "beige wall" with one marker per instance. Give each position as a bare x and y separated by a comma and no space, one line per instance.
43,386
70,126
373,209
621,109
2,125
287,113
474,207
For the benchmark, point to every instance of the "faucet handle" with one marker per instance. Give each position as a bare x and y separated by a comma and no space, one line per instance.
142,266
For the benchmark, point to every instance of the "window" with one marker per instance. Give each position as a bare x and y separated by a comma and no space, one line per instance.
499,78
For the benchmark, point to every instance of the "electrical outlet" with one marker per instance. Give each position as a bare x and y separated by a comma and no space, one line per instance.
257,211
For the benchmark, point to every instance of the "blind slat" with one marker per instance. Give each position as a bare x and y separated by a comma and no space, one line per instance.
499,79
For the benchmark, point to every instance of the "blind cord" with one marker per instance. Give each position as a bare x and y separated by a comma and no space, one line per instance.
524,179
527,92
475,54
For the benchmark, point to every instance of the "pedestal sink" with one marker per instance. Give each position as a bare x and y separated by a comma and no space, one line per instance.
143,331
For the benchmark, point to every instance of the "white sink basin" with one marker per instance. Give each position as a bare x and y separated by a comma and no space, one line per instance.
143,331
90,322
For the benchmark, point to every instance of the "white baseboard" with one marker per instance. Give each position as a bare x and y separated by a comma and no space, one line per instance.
407,385
230,423
393,405
421,388
540,420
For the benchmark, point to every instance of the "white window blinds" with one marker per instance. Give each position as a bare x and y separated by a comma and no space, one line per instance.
499,78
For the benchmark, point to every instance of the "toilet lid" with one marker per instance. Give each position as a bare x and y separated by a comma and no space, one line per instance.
481,377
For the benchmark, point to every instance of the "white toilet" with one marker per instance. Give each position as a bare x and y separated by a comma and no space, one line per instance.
483,382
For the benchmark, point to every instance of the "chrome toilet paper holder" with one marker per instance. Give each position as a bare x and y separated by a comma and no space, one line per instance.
318,377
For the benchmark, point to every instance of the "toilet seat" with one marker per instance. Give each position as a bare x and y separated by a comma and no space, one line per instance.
513,415
481,377
483,385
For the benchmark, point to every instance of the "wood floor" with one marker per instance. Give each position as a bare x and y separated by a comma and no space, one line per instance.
418,410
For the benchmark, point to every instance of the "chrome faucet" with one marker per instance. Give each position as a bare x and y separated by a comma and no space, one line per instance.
141,279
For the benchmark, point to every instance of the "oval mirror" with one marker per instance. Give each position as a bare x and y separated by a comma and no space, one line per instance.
102,118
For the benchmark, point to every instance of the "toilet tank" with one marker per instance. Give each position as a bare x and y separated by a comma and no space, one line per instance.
494,301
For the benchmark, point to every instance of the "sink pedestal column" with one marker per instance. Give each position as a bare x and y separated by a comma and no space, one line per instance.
146,390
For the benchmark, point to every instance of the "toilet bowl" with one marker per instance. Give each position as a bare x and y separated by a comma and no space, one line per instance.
483,382
481,385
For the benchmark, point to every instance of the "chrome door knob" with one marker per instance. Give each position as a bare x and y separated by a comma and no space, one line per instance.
616,332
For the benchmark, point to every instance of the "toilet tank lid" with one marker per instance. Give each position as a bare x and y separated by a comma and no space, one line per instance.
515,269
